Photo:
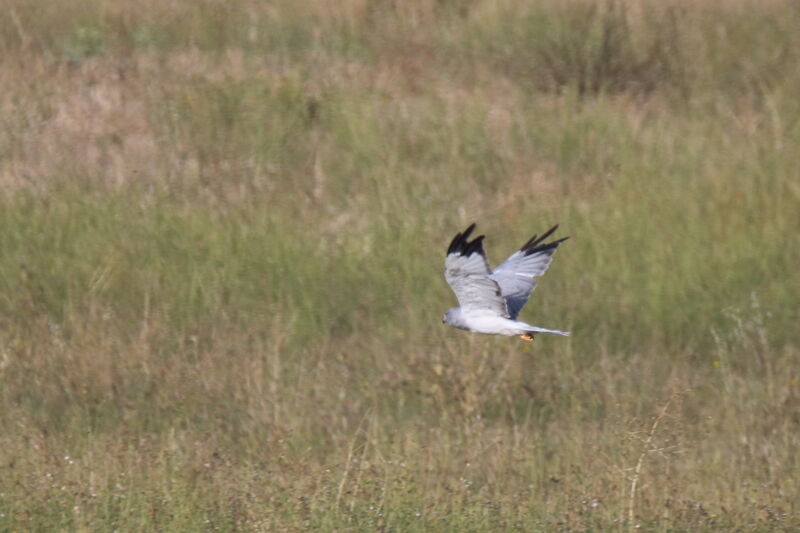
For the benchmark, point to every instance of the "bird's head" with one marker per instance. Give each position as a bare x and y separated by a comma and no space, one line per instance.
453,317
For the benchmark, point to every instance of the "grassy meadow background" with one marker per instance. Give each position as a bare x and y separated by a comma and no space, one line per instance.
222,232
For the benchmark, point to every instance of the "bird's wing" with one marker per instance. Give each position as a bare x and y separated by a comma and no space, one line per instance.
516,276
467,272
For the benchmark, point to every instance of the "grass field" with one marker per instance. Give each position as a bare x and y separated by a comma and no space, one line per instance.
222,232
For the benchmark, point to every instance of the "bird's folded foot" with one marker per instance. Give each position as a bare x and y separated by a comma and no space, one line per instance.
527,337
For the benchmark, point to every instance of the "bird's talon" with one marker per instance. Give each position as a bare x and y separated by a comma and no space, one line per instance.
526,337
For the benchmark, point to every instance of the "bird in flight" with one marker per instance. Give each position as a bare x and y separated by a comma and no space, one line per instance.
489,302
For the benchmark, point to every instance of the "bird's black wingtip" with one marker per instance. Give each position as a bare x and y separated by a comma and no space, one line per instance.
536,244
463,246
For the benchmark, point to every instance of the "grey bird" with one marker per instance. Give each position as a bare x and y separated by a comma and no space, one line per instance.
489,302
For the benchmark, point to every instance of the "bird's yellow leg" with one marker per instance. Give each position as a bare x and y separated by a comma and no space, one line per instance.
526,337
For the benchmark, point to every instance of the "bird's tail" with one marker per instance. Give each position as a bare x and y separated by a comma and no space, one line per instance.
532,330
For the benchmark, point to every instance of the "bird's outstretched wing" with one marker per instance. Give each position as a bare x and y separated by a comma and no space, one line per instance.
516,276
467,272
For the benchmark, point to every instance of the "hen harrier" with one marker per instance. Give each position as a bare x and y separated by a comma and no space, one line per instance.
490,301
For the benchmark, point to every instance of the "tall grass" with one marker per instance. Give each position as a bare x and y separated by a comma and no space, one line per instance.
222,230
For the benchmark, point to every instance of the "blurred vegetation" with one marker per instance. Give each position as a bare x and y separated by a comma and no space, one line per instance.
223,224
